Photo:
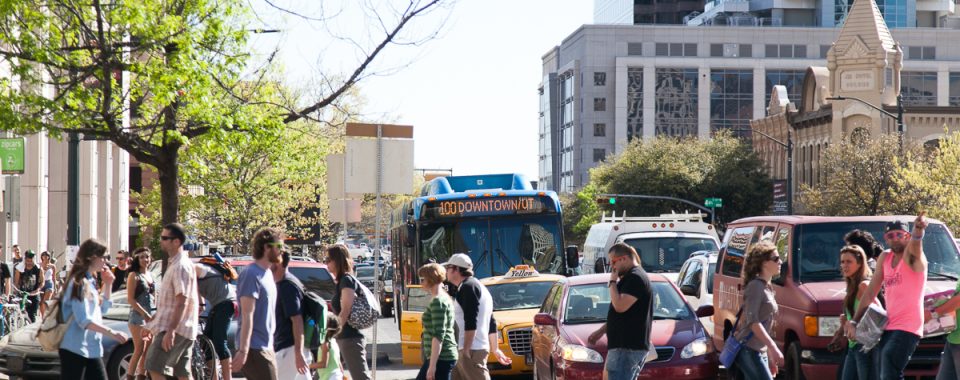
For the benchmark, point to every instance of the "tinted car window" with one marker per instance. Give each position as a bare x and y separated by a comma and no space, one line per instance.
660,255
518,295
365,272
315,279
710,274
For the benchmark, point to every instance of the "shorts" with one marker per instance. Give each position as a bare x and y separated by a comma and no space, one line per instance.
175,362
47,286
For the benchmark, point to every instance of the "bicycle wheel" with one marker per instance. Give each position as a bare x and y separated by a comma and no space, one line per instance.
204,363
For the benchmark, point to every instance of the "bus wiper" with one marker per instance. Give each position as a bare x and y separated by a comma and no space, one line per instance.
947,276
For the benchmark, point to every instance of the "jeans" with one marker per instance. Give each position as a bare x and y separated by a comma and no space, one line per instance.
624,364
76,367
752,364
443,371
948,362
216,329
860,365
896,347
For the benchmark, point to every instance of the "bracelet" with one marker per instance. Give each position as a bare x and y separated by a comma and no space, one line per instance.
917,237
854,323
611,283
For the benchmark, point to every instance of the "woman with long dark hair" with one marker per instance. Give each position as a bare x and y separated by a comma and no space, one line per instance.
141,296
759,356
81,351
351,341
856,274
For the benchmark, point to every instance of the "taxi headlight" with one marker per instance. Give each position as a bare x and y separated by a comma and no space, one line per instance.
696,348
578,353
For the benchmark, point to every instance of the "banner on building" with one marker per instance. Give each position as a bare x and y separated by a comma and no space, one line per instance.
11,153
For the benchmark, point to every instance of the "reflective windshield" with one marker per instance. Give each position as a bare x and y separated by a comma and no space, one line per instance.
496,245
519,295
590,303
667,254
818,248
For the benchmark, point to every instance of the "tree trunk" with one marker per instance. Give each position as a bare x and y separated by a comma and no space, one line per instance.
169,173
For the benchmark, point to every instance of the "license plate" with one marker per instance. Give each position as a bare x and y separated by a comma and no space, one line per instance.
15,364
528,358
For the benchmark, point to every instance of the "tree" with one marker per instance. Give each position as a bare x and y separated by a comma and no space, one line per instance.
859,176
937,179
153,75
685,168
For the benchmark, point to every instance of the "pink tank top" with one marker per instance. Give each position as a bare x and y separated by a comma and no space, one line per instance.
903,289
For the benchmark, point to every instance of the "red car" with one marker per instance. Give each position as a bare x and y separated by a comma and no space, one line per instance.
314,276
577,306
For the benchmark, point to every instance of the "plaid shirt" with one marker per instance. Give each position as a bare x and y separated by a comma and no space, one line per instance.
180,278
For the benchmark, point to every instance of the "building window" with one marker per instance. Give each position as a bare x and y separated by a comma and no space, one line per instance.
600,79
919,88
599,130
599,155
840,10
599,104
731,99
676,104
634,48
824,50
634,102
676,50
894,13
786,51
954,89
926,53
746,50
136,179
792,79
731,50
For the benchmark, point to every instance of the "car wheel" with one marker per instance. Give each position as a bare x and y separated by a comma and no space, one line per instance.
119,364
792,370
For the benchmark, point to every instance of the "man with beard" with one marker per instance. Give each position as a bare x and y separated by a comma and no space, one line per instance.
902,272
28,279
257,291
175,324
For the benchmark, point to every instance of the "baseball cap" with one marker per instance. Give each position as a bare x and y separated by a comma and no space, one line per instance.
460,260
29,254
894,226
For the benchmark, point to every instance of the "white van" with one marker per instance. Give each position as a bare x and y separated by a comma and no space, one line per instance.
664,242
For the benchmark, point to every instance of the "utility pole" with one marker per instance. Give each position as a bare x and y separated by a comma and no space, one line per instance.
789,146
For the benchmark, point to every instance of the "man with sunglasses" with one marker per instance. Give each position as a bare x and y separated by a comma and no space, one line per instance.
902,272
120,271
473,311
630,318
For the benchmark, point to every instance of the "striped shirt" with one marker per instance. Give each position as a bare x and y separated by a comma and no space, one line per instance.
438,322
180,279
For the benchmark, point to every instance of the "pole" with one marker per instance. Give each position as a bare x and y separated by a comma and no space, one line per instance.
789,172
73,189
900,122
376,255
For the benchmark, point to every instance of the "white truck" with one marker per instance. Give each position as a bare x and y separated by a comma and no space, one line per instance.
664,242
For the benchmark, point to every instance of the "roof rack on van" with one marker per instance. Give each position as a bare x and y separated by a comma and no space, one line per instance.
671,217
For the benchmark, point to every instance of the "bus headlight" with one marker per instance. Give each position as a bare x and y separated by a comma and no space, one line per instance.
578,353
696,348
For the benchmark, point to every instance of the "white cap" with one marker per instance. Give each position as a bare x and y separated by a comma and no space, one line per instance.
460,260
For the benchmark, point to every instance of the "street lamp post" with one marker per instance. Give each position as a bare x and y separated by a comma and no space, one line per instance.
898,116
789,146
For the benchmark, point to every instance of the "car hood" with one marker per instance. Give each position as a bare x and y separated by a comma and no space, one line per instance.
676,333
512,318
829,295
26,336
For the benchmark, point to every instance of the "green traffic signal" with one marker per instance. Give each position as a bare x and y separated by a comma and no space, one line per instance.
613,200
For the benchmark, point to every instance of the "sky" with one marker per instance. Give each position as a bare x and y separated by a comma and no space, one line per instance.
470,92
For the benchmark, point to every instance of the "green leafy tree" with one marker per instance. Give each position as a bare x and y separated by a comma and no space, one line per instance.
936,181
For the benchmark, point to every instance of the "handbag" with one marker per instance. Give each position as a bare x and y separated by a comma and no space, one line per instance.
732,346
52,328
365,310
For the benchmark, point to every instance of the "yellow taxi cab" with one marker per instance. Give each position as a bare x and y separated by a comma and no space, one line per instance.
517,297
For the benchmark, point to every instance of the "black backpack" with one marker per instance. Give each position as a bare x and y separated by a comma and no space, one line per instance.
314,320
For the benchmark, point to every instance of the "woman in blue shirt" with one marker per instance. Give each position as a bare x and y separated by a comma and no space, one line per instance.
81,350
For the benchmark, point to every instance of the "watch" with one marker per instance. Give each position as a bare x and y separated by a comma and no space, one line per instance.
611,283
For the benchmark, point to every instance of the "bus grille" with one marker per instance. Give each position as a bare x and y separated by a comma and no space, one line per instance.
520,340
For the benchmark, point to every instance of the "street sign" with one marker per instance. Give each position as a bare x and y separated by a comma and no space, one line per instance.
11,153
713,202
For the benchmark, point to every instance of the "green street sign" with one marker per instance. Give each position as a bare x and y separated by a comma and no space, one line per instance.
713,202
11,155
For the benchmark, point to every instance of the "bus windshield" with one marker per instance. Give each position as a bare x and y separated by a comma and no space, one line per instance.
667,254
495,245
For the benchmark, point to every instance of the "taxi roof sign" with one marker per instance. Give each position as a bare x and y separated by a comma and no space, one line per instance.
521,271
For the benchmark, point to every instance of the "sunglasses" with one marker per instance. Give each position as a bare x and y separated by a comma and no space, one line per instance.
165,238
775,259
275,245
896,235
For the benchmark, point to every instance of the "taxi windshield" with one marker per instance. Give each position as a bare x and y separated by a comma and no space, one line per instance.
519,295
590,303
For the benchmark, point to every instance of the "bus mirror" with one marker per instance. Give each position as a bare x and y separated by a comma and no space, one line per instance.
409,234
573,256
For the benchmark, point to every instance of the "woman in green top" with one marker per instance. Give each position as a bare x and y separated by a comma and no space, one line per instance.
950,359
439,346
856,273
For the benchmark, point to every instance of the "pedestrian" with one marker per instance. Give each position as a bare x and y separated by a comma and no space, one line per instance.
17,258
120,271
81,350
473,311
865,240
630,316
288,343
48,286
141,296
856,274
175,324
30,280
902,273
351,341
950,359
439,346
221,296
5,277
759,357
257,292
328,364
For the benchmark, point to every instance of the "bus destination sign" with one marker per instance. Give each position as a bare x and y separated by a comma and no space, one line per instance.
486,207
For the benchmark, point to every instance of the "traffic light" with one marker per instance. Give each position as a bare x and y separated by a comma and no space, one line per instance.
606,199
613,200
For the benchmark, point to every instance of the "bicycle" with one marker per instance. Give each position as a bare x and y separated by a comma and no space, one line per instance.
204,362
14,313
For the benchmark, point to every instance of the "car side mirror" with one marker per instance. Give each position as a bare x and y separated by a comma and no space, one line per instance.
410,232
689,290
704,311
544,319
573,256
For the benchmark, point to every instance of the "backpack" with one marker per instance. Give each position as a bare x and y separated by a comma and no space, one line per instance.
223,267
314,312
52,328
365,310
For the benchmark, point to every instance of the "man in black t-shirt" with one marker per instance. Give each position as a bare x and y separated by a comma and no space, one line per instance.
120,271
630,318
5,275
293,358
30,281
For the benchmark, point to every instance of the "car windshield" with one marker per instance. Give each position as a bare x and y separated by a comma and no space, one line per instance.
314,279
667,254
365,272
519,295
818,248
590,303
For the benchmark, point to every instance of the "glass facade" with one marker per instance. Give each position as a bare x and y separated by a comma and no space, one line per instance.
566,133
731,99
955,89
793,79
546,150
840,10
676,104
919,88
634,102
894,12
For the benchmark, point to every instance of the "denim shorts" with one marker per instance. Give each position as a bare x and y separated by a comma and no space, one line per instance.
624,364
